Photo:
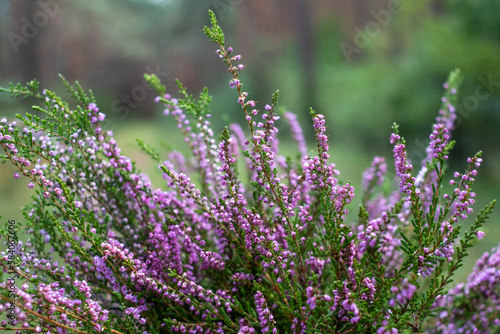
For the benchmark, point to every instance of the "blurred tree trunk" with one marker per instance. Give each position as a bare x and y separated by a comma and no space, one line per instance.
305,38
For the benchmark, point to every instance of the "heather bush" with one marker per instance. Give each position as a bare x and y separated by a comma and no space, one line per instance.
240,239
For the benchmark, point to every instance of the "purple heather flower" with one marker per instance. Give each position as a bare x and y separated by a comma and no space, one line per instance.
265,317
234,83
439,140
403,168
297,132
384,330
375,174
481,289
480,234
93,107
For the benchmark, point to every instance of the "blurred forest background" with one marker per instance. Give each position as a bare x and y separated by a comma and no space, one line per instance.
364,64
